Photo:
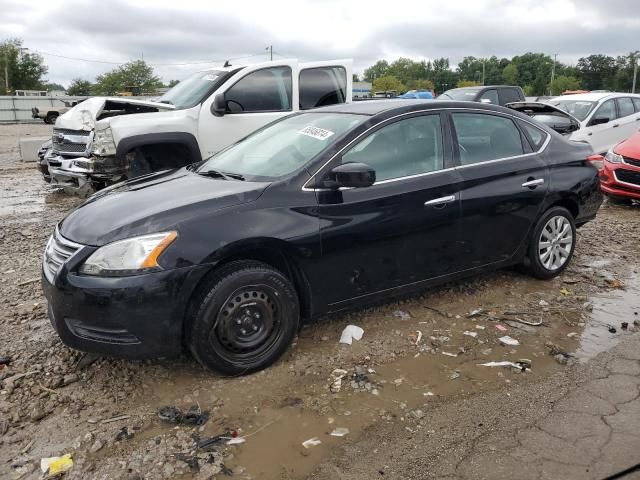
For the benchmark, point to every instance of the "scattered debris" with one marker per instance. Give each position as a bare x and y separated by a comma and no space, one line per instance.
614,283
501,328
439,312
455,375
236,441
566,292
5,360
543,303
624,325
115,419
27,282
470,334
419,336
522,364
476,313
450,354
54,466
402,315
336,380
124,434
416,414
572,334
480,327
507,340
340,432
611,329
312,442
193,416
350,333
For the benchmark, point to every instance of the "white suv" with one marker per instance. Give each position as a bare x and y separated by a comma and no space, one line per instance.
600,119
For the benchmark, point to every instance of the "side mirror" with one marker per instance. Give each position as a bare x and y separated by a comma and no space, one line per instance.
599,120
352,175
573,127
219,105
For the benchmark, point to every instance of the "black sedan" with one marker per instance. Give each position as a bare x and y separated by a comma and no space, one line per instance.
315,213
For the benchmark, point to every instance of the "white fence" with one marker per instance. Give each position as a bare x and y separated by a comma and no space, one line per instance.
15,109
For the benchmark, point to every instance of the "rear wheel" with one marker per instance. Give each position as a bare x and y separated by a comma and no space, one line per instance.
245,318
50,118
552,244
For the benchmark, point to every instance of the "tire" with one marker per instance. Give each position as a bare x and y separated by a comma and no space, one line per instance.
614,200
50,119
542,264
244,319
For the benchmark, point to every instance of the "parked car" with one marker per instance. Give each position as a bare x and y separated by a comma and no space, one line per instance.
105,140
492,94
418,94
50,114
620,175
319,212
600,119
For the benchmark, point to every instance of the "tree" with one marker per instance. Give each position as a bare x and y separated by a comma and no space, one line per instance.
443,78
51,87
510,74
387,83
379,69
534,70
421,84
173,83
562,83
25,70
597,72
355,77
467,83
136,74
79,87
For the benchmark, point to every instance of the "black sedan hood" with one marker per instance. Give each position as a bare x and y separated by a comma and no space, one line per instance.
153,203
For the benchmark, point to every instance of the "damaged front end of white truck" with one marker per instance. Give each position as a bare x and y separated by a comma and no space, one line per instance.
76,161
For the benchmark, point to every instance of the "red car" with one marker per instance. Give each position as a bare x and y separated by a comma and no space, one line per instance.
620,174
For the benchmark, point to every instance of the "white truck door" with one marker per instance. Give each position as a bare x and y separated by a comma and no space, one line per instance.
325,83
255,96
602,136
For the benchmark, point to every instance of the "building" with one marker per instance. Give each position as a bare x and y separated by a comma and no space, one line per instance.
361,90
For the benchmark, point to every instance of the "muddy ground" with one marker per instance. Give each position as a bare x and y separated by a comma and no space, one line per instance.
416,355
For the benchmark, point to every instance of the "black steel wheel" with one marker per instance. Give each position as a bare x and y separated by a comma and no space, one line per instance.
245,318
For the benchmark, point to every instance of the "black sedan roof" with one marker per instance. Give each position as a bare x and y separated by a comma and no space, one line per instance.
398,106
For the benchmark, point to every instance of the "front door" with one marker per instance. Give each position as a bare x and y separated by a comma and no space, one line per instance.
257,98
504,185
402,229
602,136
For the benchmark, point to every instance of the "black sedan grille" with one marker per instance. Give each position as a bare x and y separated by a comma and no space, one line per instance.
628,176
631,161
58,251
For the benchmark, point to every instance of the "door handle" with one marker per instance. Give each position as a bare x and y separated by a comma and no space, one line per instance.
533,183
442,201
616,125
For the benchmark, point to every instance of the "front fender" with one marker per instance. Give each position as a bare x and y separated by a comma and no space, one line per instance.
182,138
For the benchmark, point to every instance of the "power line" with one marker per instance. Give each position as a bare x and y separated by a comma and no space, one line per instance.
203,62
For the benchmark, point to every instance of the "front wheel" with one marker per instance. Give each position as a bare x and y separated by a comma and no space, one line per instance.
50,119
552,244
245,318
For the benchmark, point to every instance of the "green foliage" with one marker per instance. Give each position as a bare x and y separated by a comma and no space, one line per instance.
467,83
355,77
597,71
388,83
563,83
173,83
79,87
54,86
420,84
379,69
136,74
510,74
25,70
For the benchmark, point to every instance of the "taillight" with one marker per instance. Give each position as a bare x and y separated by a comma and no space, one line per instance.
596,161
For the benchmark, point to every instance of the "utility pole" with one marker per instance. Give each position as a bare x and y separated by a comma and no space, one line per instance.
270,48
635,76
6,72
553,71
483,63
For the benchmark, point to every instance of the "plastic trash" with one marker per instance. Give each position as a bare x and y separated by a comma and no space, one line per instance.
501,364
350,333
54,466
193,416
501,328
236,441
402,315
312,442
507,340
449,354
336,380
340,432
470,334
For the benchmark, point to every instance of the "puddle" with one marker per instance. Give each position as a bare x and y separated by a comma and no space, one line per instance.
610,310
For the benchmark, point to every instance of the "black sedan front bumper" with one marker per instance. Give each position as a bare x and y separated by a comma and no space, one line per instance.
133,317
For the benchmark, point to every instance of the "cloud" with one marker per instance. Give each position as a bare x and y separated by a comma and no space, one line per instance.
166,31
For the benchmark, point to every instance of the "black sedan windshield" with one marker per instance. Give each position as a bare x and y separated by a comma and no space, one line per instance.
283,147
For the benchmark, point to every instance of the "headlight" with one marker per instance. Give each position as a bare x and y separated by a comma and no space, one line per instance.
103,144
613,157
130,256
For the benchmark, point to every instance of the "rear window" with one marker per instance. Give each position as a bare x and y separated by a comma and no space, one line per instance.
322,86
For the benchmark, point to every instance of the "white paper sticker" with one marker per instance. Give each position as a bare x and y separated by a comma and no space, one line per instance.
316,132
211,77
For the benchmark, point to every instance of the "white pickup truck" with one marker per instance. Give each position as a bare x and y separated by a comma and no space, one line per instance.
105,140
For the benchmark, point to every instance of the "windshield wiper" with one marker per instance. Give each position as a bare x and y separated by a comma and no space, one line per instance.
219,174
166,101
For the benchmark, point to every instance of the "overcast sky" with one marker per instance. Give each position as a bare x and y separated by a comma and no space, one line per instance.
188,31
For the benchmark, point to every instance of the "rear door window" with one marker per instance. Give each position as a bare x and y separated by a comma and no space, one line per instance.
625,106
322,86
266,90
606,110
490,96
636,103
483,137
508,95
404,148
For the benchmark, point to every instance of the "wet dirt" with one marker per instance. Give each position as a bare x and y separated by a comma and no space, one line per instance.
404,365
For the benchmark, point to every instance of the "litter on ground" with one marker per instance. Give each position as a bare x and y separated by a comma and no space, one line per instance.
350,333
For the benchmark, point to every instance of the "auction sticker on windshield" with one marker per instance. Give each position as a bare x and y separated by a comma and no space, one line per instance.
316,132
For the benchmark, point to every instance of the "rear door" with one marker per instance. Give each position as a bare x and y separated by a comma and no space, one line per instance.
402,229
626,117
504,184
255,96
325,83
